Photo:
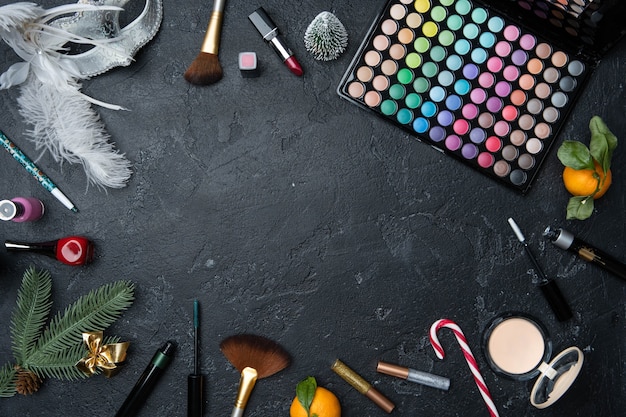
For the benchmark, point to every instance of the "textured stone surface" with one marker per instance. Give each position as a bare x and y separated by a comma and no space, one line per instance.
290,213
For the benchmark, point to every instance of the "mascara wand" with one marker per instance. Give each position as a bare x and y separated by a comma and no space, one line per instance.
195,381
548,287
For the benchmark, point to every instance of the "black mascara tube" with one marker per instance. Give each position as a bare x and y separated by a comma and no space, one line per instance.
566,240
148,379
549,288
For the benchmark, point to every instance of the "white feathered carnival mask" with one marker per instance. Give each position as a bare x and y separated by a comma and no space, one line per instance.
50,77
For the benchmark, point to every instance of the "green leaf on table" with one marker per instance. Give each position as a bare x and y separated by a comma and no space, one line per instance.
305,391
575,155
579,208
602,143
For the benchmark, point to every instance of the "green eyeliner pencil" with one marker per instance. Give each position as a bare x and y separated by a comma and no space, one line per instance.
147,381
195,381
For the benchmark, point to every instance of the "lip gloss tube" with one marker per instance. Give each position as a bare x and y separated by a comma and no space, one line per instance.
566,240
268,30
413,375
362,386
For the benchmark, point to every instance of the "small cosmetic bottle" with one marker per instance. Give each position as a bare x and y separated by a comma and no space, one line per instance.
21,209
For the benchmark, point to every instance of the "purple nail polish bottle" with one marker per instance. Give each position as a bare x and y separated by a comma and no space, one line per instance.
21,209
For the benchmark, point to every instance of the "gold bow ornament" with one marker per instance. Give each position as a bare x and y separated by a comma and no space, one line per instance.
105,358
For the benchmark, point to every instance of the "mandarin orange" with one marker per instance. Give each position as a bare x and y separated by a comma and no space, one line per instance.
325,404
586,182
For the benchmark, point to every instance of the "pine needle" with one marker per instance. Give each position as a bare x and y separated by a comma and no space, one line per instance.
62,364
31,312
7,380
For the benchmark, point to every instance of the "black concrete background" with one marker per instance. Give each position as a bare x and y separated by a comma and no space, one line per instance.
295,215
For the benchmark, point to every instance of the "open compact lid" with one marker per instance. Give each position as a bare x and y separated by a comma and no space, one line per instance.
587,27
556,377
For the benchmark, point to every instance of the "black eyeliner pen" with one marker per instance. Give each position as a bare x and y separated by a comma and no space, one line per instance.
147,381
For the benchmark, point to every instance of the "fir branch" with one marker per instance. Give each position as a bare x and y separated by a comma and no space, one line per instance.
8,374
61,364
94,311
31,312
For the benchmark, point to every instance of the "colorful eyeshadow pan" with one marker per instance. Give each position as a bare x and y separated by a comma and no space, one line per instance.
469,80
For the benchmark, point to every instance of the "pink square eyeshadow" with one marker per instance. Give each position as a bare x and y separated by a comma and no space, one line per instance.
247,60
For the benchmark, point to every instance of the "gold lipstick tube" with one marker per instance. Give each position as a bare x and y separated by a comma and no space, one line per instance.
362,386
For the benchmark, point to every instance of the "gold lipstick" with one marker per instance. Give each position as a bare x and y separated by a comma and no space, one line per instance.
362,386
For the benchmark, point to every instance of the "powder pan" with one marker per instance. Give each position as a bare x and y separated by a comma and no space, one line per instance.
518,347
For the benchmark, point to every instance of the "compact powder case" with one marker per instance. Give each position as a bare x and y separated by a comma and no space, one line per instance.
518,347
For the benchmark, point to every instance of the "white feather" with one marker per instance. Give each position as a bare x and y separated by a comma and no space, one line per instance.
65,124
14,15
62,117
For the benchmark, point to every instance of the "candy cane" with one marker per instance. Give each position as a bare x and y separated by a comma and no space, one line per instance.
469,357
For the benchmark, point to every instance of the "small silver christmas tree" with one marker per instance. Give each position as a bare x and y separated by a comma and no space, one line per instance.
326,37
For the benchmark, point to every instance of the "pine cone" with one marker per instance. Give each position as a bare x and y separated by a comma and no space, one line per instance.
27,382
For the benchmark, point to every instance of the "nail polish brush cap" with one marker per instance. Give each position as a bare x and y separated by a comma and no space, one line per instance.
8,210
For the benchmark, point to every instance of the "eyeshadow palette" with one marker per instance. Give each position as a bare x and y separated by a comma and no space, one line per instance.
470,79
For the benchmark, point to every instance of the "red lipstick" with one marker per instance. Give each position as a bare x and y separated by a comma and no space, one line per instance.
268,30
294,66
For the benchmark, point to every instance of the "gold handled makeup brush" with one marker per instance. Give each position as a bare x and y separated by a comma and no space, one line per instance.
206,68
256,357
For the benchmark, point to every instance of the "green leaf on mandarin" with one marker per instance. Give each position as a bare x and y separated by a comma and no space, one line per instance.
305,391
575,155
602,143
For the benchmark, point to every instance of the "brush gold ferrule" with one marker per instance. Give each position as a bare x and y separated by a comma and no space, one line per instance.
211,44
246,384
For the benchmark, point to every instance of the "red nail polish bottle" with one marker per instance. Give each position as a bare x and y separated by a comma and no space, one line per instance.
71,250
